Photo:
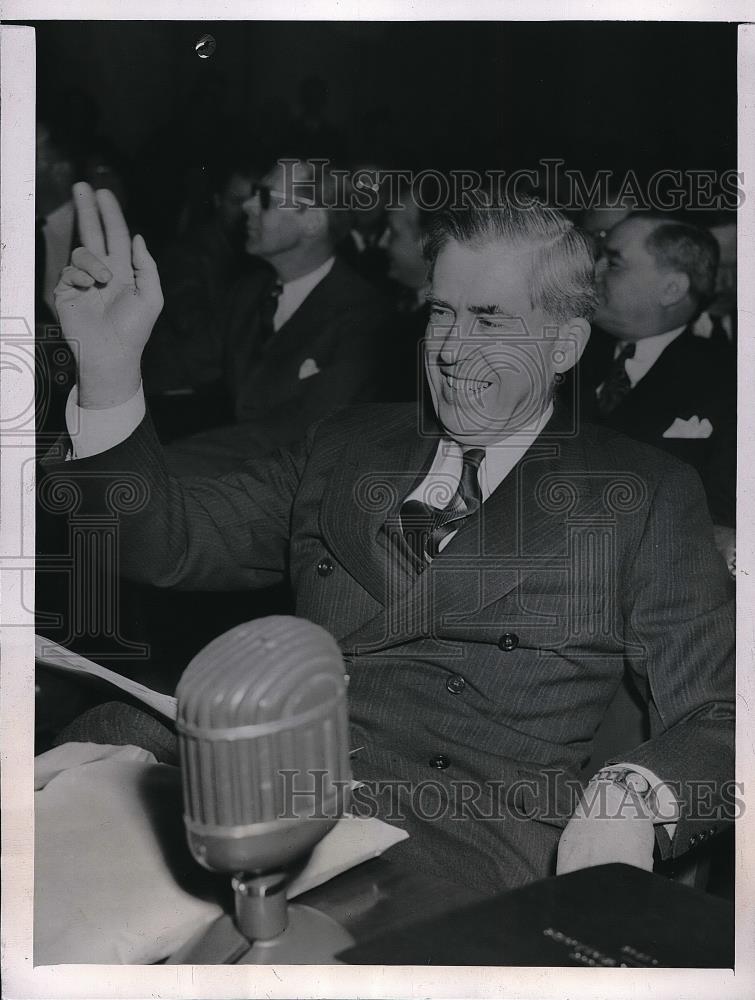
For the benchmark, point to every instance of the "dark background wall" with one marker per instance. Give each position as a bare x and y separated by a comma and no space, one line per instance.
597,93
469,95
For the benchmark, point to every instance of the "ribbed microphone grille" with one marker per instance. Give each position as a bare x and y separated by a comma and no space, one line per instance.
262,724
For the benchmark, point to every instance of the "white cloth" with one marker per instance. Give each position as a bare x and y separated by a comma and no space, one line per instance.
296,291
58,234
114,880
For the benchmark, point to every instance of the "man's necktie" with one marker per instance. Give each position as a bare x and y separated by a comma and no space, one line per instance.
617,384
268,308
425,527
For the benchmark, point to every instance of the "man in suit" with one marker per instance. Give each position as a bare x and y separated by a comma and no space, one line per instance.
647,373
486,575
301,337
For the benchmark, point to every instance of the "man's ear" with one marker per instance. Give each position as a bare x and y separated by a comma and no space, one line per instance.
674,288
572,340
314,222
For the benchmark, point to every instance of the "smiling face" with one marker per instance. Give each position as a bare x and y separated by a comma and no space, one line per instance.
491,357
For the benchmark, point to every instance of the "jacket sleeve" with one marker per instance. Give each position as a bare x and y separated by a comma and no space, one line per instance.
200,534
679,609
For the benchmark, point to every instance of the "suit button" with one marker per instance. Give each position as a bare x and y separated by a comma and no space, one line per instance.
441,762
508,642
455,684
325,567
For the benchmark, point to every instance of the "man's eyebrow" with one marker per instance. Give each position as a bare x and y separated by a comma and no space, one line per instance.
434,300
611,252
490,310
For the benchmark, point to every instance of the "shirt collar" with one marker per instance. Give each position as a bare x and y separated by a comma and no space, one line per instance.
296,291
500,458
647,352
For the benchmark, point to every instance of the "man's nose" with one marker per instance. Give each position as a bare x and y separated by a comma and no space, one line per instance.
447,342
252,205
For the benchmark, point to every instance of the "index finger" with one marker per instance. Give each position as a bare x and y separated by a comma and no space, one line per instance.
116,234
88,219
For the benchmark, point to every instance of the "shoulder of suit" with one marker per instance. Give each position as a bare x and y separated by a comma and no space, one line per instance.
610,451
368,421
351,287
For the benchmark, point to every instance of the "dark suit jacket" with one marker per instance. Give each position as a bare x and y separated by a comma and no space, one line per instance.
692,377
337,334
497,663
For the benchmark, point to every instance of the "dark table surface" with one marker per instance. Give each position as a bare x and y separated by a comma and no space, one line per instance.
382,895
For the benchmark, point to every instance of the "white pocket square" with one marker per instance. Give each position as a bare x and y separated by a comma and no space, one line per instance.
308,368
692,428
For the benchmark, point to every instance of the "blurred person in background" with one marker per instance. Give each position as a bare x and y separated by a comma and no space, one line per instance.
647,373
407,270
301,337
184,366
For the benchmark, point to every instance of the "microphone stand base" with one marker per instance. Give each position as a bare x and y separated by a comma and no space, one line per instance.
311,938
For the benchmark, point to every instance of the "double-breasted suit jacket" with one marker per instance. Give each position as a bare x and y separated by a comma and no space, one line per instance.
475,687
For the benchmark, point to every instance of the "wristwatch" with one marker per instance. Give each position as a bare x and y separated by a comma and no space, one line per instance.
633,784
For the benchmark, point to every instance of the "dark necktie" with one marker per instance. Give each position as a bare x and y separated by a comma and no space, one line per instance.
268,308
617,384
425,527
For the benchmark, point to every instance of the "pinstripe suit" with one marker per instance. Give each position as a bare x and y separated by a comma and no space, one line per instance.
498,662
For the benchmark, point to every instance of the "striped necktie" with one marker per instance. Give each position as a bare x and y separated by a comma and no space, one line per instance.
617,384
425,527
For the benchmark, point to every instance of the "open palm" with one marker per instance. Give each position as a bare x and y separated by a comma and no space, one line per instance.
107,300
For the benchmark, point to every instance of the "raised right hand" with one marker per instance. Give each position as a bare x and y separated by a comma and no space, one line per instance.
107,301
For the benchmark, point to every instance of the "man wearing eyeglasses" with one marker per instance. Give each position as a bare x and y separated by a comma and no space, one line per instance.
300,339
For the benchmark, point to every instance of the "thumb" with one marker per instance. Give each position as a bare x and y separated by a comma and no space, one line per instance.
146,278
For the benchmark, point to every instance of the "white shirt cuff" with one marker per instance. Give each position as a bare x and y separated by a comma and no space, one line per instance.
94,431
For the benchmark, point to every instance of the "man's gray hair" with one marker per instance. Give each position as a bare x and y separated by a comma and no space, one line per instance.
562,277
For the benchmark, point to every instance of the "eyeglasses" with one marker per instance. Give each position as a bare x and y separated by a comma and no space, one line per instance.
266,193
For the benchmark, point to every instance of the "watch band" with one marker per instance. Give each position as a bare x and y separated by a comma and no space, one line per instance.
632,781
634,784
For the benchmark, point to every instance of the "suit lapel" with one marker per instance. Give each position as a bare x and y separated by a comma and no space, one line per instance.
316,312
362,504
658,392
520,529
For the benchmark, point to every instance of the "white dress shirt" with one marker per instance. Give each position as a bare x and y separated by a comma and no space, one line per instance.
647,351
443,478
295,292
